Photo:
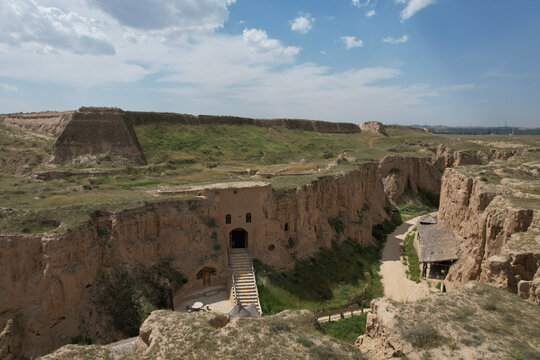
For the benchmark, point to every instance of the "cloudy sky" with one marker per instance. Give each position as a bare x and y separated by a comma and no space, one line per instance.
453,62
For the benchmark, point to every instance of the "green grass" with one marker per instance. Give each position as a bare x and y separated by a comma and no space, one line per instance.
348,329
182,154
344,274
411,257
413,209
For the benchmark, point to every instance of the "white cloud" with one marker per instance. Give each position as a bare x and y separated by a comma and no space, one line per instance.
302,24
369,5
392,40
259,40
413,6
50,28
351,42
7,87
364,3
250,74
182,15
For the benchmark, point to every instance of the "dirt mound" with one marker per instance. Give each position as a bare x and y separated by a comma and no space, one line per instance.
49,124
373,128
97,131
173,335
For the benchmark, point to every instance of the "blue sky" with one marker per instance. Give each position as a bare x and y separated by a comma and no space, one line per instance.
451,62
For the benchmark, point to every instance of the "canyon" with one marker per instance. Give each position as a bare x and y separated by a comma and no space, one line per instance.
48,279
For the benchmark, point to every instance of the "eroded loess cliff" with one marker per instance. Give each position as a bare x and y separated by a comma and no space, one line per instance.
403,177
499,238
48,281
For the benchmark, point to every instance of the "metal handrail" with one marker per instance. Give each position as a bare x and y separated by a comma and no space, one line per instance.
256,288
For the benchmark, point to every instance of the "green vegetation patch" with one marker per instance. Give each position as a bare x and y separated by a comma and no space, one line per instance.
348,329
128,296
411,257
344,274
425,202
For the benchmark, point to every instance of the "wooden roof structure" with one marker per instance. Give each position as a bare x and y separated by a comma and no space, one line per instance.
436,243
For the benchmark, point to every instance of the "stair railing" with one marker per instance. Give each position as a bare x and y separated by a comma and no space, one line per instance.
256,289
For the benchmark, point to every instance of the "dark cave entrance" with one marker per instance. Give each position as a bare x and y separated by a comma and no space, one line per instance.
239,239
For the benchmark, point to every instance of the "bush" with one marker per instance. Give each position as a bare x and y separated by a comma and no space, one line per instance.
347,329
323,352
422,335
128,297
336,224
304,341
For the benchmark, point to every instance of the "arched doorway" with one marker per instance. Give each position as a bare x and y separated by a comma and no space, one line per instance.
205,274
239,239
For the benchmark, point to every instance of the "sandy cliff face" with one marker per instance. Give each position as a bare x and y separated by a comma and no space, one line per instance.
401,174
447,157
47,281
356,198
486,222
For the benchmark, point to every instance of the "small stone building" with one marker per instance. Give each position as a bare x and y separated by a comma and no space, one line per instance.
437,248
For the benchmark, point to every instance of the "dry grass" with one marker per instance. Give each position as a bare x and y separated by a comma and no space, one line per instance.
478,322
288,335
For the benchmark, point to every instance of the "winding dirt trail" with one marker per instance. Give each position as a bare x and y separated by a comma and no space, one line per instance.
394,277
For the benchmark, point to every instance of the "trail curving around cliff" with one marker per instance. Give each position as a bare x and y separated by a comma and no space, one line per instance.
393,272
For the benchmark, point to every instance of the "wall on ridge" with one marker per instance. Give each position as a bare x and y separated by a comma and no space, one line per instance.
93,132
138,118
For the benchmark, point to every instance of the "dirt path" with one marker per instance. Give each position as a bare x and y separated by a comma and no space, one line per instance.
394,278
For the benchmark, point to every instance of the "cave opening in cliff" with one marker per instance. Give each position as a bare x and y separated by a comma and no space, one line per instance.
239,239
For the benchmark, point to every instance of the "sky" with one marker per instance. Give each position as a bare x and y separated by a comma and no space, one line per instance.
438,62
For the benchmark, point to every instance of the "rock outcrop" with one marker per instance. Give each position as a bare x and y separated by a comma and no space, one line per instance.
373,128
447,157
489,225
406,174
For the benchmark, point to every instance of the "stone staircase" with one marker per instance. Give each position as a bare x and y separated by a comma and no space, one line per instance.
244,287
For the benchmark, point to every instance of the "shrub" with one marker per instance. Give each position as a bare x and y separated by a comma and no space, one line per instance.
279,325
304,341
129,296
422,335
348,329
336,224
323,352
